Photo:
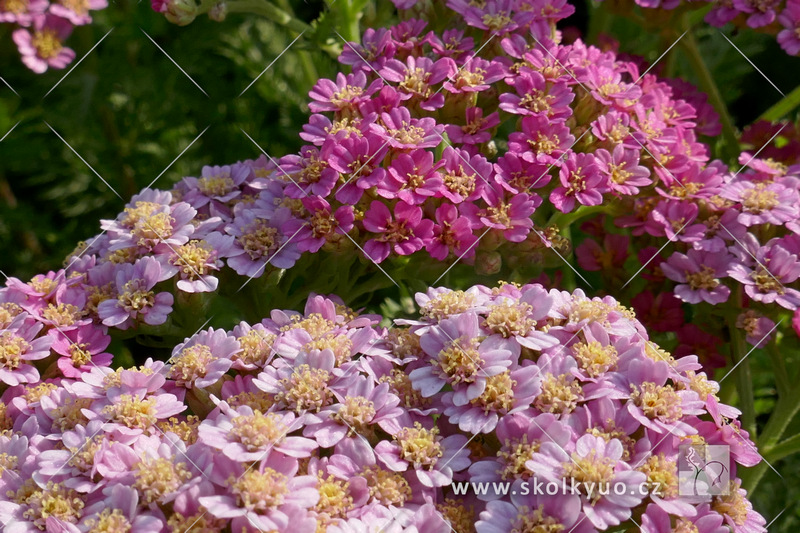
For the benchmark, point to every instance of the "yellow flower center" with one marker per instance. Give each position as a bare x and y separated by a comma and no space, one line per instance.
595,358
258,430
46,43
191,363
133,412
657,402
560,394
158,477
386,487
420,446
260,491
306,389
703,279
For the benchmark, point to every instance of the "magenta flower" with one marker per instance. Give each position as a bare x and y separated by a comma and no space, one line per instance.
346,94
403,233
217,185
135,298
434,459
413,178
359,160
477,130
762,12
201,360
763,203
77,12
308,173
267,498
621,167
596,461
581,181
657,520
121,507
767,273
475,75
80,349
42,47
194,262
23,13
698,274
260,243
324,225
465,175
541,140
512,217
460,359
789,36
245,435
19,346
608,257
416,78
536,97
399,130
451,234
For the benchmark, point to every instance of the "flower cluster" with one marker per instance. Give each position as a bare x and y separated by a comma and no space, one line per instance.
324,421
44,26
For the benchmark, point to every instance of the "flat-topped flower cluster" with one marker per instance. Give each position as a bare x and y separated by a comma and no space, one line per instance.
324,421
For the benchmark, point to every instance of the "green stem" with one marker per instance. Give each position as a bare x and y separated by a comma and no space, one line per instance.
351,18
570,281
563,220
779,369
785,106
268,10
786,409
744,379
730,146
784,449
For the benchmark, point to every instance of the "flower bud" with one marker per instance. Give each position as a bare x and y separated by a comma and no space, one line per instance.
488,263
218,11
181,12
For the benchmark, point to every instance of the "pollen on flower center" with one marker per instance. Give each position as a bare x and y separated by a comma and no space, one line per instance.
560,394
322,224
260,491
396,231
356,413
46,43
544,144
498,395
496,22
535,521
256,347
510,319
419,446
201,522
514,454
613,432
132,411
460,361
345,95
590,469
306,389
765,281
135,297
109,521
54,500
62,314
595,358
334,499
408,134
258,430
14,6
461,517
218,185
70,413
192,258
704,279
386,487
685,526
537,101
12,347
447,304
79,355
314,324
662,473
618,173
340,345
759,199
402,387
191,363
158,477
460,182
416,81
8,311
8,462
733,504
259,239
83,457
658,402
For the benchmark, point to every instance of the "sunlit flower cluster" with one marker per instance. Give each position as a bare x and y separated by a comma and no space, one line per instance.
325,421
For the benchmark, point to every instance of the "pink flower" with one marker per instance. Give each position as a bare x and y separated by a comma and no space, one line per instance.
77,12
477,130
581,181
346,94
401,131
324,226
135,298
612,255
43,47
451,234
789,37
412,177
535,96
80,349
763,203
19,346
403,233
416,78
541,140
621,167
26,12
698,274
201,360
